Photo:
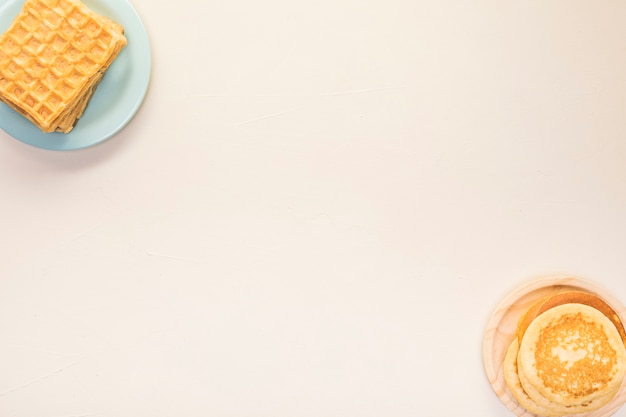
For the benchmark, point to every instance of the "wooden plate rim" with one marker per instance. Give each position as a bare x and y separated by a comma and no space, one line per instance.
500,331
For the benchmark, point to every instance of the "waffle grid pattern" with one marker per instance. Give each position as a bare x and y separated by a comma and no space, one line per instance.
50,54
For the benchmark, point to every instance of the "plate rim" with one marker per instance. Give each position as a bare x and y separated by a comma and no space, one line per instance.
515,303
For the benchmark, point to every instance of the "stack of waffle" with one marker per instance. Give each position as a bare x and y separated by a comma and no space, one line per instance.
52,58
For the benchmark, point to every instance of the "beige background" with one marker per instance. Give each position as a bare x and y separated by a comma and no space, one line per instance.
316,210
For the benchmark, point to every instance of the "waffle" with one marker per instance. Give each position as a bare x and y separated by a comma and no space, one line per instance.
52,58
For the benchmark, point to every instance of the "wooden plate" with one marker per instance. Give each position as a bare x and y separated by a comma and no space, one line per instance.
501,329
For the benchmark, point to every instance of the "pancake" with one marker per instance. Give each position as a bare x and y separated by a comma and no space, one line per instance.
566,360
542,402
567,297
571,355
511,377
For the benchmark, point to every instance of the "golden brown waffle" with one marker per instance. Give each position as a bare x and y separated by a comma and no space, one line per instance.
52,58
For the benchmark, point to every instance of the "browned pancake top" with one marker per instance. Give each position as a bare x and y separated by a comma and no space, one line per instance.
567,297
575,357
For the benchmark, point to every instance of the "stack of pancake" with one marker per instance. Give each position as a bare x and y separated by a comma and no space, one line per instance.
52,57
568,356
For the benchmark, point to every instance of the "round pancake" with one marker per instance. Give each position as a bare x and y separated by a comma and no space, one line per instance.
544,403
571,354
568,297
513,382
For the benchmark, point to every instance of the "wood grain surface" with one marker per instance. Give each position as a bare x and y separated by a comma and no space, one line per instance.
501,327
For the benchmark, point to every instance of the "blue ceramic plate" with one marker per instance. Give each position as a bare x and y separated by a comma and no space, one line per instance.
118,96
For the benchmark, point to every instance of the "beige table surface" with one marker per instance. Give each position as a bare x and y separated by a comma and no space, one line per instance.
316,210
